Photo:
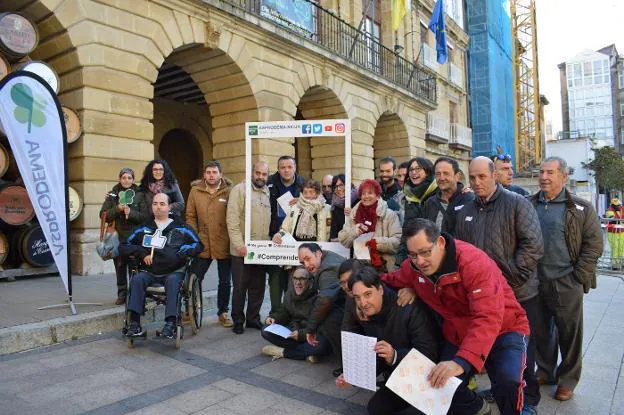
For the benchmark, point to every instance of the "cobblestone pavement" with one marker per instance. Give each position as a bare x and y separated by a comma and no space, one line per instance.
218,372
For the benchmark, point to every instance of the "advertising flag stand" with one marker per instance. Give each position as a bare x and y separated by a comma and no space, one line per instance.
32,119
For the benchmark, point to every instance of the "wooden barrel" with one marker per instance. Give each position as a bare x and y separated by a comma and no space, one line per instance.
4,248
18,35
30,246
5,160
72,124
75,204
15,206
5,67
43,70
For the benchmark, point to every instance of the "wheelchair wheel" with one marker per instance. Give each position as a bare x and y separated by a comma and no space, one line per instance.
195,303
179,336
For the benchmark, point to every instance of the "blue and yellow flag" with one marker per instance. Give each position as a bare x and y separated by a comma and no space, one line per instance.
438,27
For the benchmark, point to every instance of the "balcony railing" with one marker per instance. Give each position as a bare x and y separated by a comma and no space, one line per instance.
455,75
438,126
338,37
461,135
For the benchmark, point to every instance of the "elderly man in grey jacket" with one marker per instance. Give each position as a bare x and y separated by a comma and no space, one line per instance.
506,227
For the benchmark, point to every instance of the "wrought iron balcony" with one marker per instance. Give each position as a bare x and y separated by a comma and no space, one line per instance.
340,38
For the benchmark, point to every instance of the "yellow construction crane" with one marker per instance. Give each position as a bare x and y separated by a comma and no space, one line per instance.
529,151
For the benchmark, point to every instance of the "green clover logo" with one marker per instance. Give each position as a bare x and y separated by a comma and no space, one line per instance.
126,197
250,255
29,110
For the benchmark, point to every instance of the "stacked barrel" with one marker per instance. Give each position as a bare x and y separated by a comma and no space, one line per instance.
22,242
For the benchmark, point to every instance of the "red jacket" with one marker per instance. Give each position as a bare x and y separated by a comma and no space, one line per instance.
472,297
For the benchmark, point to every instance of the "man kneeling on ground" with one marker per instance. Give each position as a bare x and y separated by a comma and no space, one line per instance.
375,313
166,266
293,313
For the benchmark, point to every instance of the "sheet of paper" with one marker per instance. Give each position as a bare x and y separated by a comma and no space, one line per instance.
360,250
288,239
284,201
279,330
359,360
409,381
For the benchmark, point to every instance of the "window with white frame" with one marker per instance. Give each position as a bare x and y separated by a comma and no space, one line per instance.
621,78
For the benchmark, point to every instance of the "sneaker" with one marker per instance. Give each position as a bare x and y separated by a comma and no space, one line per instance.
276,352
312,359
238,328
225,320
169,330
251,324
134,330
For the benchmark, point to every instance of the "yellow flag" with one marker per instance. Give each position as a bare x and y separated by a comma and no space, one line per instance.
399,10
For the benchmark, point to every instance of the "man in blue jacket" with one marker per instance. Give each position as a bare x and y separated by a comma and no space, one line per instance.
164,265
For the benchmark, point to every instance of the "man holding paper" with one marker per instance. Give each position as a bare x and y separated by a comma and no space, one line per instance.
374,312
483,323
294,312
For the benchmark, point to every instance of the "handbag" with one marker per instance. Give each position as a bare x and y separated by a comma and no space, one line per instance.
108,247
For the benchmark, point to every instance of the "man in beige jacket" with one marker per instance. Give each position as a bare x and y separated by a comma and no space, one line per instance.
249,280
205,213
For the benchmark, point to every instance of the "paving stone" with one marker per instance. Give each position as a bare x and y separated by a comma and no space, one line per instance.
198,399
158,409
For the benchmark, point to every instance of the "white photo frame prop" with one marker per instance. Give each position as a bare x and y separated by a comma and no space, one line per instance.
267,252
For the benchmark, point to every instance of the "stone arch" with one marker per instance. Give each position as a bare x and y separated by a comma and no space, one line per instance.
326,154
391,139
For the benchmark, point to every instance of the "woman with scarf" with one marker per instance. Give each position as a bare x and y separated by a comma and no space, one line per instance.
338,210
159,178
371,214
125,205
308,218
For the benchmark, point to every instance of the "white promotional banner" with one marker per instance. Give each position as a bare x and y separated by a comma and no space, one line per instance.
32,119
267,252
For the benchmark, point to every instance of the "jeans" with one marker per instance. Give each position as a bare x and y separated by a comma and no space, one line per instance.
297,350
224,266
532,394
505,367
140,282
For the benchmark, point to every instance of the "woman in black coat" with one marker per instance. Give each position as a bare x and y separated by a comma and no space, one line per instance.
338,210
159,178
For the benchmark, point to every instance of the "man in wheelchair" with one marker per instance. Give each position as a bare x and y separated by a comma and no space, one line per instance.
162,246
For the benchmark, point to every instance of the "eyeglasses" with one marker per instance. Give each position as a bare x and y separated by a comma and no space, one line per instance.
339,186
416,169
423,254
300,279
505,157
326,186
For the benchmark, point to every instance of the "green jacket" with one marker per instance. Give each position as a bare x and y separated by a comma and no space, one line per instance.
139,211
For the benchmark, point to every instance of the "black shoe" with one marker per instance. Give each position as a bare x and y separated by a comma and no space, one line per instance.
238,328
134,330
169,330
254,324
337,372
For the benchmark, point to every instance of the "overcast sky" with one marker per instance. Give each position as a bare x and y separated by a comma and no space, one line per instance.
565,28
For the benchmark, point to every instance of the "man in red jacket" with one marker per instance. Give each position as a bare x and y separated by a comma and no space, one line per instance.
483,324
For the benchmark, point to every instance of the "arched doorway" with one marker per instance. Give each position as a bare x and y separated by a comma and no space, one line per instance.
391,139
181,150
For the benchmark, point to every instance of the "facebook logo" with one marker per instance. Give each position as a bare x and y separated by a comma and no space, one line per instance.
306,129
317,128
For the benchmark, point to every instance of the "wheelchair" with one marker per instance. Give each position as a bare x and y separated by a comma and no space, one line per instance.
190,301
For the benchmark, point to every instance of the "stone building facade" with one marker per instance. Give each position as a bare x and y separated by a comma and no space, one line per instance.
178,79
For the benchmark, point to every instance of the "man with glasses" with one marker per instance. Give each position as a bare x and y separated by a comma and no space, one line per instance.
482,323
507,228
505,173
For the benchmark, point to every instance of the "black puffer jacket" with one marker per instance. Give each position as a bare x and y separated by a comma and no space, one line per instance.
583,238
507,228
458,201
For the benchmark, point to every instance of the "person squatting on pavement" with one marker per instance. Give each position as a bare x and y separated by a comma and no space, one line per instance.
249,280
373,311
281,182
166,266
572,246
483,324
294,312
505,226
206,213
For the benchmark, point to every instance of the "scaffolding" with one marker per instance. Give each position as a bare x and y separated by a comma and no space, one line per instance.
528,137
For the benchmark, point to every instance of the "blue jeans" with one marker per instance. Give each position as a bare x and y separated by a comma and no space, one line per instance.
294,349
140,282
224,289
505,366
